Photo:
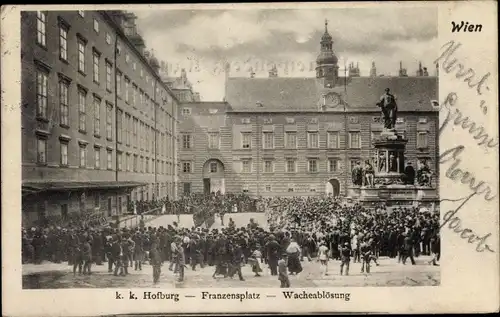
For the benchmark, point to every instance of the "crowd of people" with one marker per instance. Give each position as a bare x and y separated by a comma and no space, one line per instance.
298,228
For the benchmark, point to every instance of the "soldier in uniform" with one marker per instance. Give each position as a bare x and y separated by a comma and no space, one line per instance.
138,250
77,257
155,260
345,257
87,256
273,250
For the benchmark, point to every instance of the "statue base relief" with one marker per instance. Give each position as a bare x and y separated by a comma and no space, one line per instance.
394,195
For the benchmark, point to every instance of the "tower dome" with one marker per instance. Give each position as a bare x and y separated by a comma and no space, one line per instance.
326,55
154,62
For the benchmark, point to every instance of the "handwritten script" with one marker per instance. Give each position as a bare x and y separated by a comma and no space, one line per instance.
455,118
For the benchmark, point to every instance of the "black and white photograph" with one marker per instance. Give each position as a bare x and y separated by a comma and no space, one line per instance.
256,148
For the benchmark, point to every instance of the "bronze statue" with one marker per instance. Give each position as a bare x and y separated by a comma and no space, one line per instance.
389,109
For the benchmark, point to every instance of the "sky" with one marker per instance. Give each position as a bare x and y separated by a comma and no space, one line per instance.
201,41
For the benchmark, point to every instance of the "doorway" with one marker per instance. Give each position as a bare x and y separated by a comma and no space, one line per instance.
333,187
206,186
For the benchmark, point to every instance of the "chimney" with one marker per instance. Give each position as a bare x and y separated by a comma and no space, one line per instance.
273,72
420,71
373,70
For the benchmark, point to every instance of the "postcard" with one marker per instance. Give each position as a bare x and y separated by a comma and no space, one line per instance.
250,158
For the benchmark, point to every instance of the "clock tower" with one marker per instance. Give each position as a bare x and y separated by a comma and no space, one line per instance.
327,69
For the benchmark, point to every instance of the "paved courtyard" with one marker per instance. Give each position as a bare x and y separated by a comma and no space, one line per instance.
389,273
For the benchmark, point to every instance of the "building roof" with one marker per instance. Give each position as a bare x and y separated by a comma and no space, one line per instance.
35,187
305,94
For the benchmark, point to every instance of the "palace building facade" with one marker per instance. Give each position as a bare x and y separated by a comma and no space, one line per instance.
98,123
281,136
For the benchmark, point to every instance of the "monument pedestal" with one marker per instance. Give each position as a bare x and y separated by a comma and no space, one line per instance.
389,186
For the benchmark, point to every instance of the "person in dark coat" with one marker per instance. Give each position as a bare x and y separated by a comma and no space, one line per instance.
87,257
273,250
236,261
138,250
345,256
156,261
77,254
408,249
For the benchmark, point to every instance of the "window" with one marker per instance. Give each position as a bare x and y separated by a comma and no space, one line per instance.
291,140
422,120
63,42
313,166
422,140
108,76
187,188
375,135
64,103
134,131
333,165
119,161
186,141
109,121
41,27
81,13
245,188
186,111
96,25
119,125
81,56
119,84
268,188
134,94
97,116
82,111
42,150
333,140
245,166
97,200
129,164
109,159
355,140
108,38
64,153
246,140
128,127
97,158
41,94
268,166
290,189
83,155
290,166
96,58
135,162
312,140
268,140
127,89
213,140
186,167
213,167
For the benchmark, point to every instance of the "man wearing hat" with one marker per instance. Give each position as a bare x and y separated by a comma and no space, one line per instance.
272,252
345,258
